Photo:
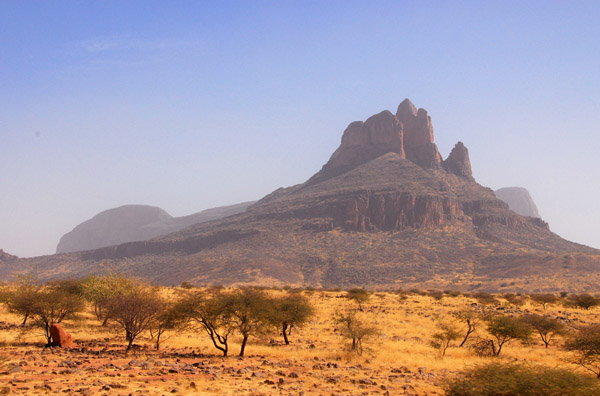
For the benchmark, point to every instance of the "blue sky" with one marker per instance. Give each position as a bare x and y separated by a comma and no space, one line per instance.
188,105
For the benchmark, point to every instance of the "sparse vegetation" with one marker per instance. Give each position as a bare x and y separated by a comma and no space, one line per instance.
499,379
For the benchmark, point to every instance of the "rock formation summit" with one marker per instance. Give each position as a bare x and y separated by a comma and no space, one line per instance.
408,133
519,200
385,211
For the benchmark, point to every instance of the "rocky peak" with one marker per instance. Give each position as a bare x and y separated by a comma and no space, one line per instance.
458,162
6,257
408,133
418,135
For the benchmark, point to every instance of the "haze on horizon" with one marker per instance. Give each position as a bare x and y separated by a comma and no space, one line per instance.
193,105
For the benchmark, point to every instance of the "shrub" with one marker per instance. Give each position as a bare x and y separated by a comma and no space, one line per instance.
498,379
585,344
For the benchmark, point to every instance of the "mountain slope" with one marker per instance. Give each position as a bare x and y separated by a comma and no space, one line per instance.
386,211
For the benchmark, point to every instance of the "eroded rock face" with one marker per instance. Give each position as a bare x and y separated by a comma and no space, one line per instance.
418,135
60,338
458,162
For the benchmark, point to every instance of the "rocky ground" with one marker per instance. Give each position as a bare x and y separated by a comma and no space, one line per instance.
102,368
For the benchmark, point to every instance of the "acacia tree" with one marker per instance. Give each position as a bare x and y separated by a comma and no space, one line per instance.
292,310
51,306
98,290
355,328
546,327
134,310
20,299
585,301
506,328
471,319
168,317
544,299
585,344
360,296
250,311
211,311
443,338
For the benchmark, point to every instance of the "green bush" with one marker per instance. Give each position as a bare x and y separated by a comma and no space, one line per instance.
498,379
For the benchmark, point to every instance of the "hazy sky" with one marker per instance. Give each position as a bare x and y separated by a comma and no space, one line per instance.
188,105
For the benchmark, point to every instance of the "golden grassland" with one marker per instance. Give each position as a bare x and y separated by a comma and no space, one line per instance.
399,360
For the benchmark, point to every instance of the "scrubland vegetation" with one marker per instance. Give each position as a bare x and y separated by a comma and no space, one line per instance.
135,338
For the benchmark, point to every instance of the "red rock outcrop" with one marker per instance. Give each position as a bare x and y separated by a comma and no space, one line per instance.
60,338
458,162
418,135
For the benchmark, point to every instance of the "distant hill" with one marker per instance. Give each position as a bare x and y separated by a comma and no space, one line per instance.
131,223
387,211
519,200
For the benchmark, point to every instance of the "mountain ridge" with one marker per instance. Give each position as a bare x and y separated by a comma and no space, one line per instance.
373,217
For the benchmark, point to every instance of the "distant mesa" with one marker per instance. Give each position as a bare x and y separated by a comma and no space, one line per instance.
131,223
519,200
6,257
386,211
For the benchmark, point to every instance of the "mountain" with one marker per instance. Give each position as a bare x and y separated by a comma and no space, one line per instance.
5,257
385,212
135,223
519,200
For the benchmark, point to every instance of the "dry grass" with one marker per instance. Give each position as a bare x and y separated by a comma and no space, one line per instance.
399,361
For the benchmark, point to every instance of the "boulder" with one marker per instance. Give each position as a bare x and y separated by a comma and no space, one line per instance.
60,338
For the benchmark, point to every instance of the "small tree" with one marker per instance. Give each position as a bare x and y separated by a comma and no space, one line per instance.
443,338
52,306
21,298
544,299
355,328
471,319
292,310
168,317
585,344
99,290
134,310
250,311
506,328
360,296
584,301
211,311
546,327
